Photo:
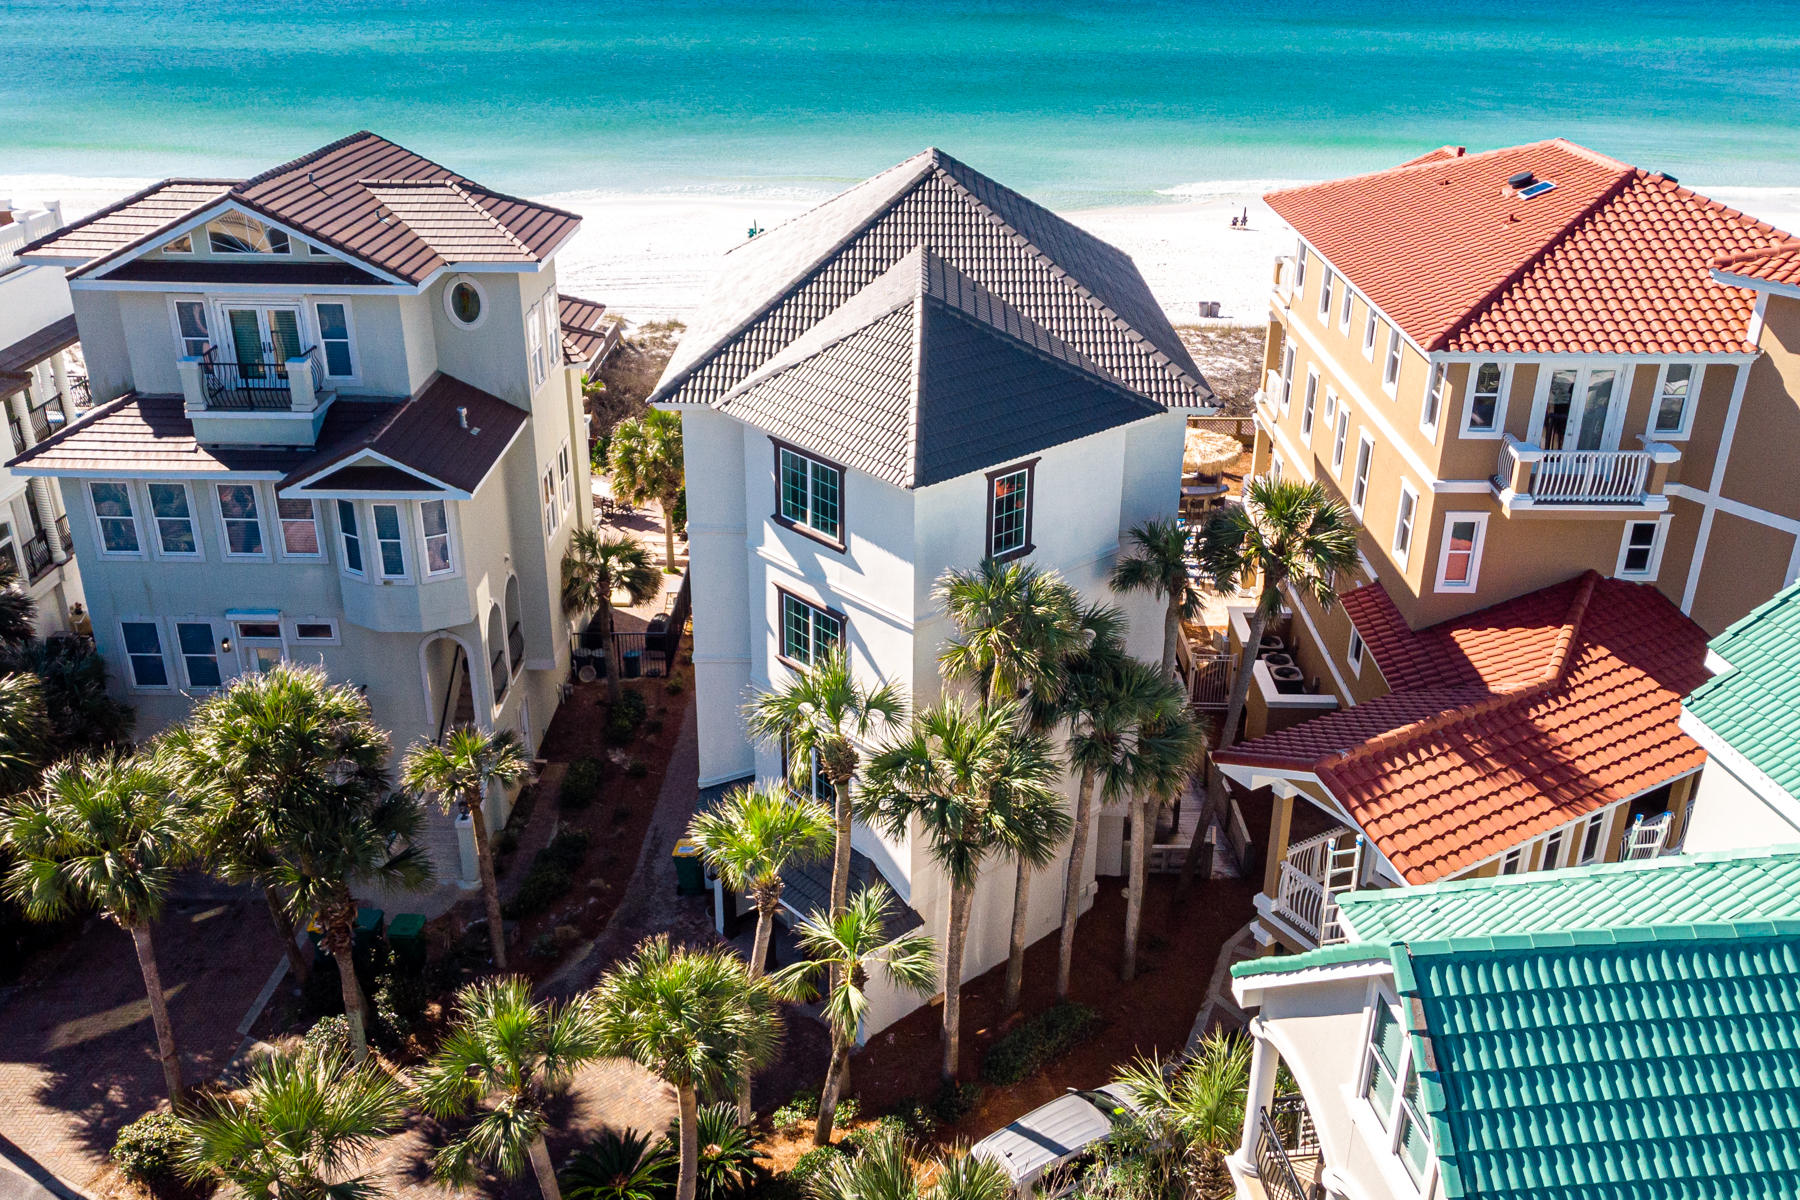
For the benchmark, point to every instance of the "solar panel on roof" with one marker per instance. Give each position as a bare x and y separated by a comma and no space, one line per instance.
1537,189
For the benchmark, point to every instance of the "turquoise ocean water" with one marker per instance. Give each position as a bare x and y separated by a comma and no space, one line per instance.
1078,103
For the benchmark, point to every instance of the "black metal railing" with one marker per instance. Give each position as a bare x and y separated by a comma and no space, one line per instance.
515,644
646,652
46,418
15,431
80,392
1294,1124
1278,1177
62,533
38,558
255,385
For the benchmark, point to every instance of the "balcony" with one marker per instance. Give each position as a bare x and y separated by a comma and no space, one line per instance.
1531,478
1287,273
269,402
1311,875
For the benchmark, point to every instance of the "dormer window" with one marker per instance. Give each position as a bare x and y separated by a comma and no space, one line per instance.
235,233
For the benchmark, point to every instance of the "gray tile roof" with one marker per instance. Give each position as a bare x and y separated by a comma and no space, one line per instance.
925,375
784,281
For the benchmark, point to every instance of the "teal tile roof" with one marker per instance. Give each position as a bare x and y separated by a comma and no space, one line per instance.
1621,1064
1673,889
1755,706
1324,956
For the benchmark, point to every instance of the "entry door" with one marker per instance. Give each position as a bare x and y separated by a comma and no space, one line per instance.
263,337
259,645
1582,409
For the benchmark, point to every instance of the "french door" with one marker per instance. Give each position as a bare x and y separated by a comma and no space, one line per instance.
263,337
1581,408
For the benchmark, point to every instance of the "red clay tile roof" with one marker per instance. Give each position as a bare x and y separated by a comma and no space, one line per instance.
1779,265
362,195
1505,723
1611,260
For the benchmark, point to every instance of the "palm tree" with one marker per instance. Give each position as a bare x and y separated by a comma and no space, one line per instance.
646,461
1194,1111
18,612
458,772
620,1164
1168,748
1110,706
24,732
105,832
1158,563
296,1129
505,1057
596,566
749,839
819,715
963,773
1031,825
1015,626
696,1018
886,1169
850,948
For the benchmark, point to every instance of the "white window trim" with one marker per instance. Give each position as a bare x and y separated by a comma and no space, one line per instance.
1340,440
1300,270
1656,549
548,508
1382,1140
1405,521
167,252
1516,856
318,336
1331,404
225,551
199,551
565,478
319,534
1289,359
1541,849
138,502
537,354
1468,402
1595,822
1327,282
1358,503
401,526
291,631
206,311
1371,334
1584,369
1357,651
218,656
480,317
1309,403
1437,380
1452,519
450,531
1396,353
362,539
162,644
246,660
1651,432
1344,307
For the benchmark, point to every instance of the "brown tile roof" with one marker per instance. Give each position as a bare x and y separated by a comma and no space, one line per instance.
585,331
1505,723
427,434
17,359
1778,265
363,195
1611,260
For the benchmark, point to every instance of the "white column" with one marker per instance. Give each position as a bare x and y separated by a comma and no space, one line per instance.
193,391
59,371
1261,1092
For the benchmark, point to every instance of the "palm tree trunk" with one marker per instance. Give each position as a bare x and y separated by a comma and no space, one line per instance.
828,1095
159,1011
1171,631
298,967
840,851
340,939
955,935
667,504
759,955
689,1177
1140,870
1015,954
615,664
1078,840
490,888
546,1173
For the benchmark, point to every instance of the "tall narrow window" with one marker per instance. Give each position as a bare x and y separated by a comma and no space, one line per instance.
1299,270
1391,1087
1310,402
243,527
1357,647
1344,309
1359,487
299,528
1553,850
190,322
551,519
1434,398
388,541
1459,562
352,537
118,524
565,488
809,494
199,654
174,519
1009,512
807,631
1641,549
1390,370
1325,282
1369,334
434,516
1590,838
1403,521
1338,436
534,340
334,339
1513,862
1484,397
143,647
1675,389
1287,376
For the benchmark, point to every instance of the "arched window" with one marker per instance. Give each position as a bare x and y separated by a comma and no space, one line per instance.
515,631
497,653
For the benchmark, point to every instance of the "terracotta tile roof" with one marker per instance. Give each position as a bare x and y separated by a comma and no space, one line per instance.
1778,265
1544,708
1611,260
364,196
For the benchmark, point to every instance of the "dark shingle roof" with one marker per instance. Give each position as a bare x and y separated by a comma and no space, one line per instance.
586,333
17,359
784,281
925,375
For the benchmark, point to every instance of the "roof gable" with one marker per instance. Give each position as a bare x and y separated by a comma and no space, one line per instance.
1755,705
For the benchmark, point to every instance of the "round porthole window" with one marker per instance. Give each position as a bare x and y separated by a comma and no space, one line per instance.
465,303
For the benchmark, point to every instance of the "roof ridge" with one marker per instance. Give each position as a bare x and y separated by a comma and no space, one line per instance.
143,193
1743,256
295,164
496,222
1423,161
1590,937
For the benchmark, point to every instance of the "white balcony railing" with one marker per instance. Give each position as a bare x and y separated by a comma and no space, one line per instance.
1579,476
26,227
1312,874
1286,272
1270,395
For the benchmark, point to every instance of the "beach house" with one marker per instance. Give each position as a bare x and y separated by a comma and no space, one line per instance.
1557,392
335,421
1621,1030
41,394
924,372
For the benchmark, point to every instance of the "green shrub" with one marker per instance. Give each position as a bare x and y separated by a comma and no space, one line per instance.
955,1101
623,720
328,1036
581,786
809,1166
147,1149
728,1165
566,850
800,1108
673,687
620,1166
858,1140
636,769
917,1117
1033,1044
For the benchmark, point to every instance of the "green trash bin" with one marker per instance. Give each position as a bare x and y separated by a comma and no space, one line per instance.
406,937
370,922
690,871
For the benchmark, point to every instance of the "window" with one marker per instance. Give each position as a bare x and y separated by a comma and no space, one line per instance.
181,245
497,654
174,515
551,517
1359,486
1403,521
351,537
814,784
1356,651
143,646
1344,309
315,631
1459,560
1483,414
534,345
808,631
190,327
1590,838
465,303
565,487
9,549
552,331
1392,1089
1369,335
1306,406
1287,376
260,644
1337,438
1676,386
1325,282
1330,406
1434,399
235,233
243,528
199,655
118,525
1009,511
809,494
299,528
1299,270
1275,469
334,339
389,545
434,517
1640,552
1513,862
1390,370
1553,850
